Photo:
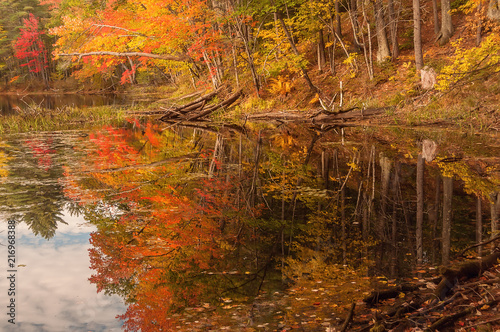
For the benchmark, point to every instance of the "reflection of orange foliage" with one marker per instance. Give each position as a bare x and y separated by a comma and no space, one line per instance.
159,228
42,151
155,254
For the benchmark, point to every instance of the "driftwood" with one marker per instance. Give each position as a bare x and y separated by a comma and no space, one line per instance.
198,109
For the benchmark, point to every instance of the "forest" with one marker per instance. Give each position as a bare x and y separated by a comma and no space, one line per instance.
283,54
305,165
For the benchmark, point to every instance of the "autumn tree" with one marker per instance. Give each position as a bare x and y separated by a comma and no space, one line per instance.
12,21
30,47
134,36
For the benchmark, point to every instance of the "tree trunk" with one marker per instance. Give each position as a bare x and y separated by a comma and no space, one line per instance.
385,165
495,207
479,24
446,231
446,24
417,35
393,25
395,196
343,226
321,51
435,17
338,23
433,219
479,226
420,207
246,37
325,169
383,45
353,16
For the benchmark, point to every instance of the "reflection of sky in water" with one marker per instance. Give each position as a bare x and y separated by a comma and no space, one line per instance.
53,292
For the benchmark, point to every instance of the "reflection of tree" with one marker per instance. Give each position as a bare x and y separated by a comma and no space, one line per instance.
179,223
168,233
31,193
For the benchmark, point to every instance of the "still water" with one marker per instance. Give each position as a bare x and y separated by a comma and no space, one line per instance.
14,103
141,227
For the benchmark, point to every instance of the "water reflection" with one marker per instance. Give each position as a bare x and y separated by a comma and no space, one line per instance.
198,229
30,191
221,217
53,292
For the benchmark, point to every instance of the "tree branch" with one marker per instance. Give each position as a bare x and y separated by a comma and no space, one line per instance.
128,54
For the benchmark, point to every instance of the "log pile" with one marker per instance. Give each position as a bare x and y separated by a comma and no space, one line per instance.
199,109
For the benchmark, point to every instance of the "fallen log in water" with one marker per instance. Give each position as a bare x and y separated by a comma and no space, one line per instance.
318,117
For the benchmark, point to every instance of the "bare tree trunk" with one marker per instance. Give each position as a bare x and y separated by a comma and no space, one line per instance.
343,226
211,71
321,51
331,54
367,53
435,17
479,226
383,45
446,23
417,36
433,219
325,168
446,231
479,24
395,196
495,208
217,156
385,166
338,23
420,207
243,31
235,64
353,16
393,25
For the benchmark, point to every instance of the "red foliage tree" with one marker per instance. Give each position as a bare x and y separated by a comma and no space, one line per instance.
29,46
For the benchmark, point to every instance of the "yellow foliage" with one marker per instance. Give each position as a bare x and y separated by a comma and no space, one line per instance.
281,85
315,99
470,62
474,183
4,158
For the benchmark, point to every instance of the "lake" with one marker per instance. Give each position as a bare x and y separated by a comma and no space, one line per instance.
271,226
13,103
